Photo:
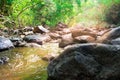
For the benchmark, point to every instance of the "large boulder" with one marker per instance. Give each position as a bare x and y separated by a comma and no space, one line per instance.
89,61
108,36
5,44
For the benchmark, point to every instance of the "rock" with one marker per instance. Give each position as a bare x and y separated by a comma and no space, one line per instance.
26,29
63,31
66,40
112,34
37,38
5,44
49,57
60,26
80,32
56,41
54,35
89,61
115,41
60,32
22,36
66,31
84,39
17,42
28,33
40,29
102,32
4,60
17,32
32,45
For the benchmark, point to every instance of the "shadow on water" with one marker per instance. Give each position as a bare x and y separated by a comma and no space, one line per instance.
26,63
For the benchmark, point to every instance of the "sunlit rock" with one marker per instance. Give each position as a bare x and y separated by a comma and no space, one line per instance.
81,31
49,57
54,35
67,39
40,29
84,39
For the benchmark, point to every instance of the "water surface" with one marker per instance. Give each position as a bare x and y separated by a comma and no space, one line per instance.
26,63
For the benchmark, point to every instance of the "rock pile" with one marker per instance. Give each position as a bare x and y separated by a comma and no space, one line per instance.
89,61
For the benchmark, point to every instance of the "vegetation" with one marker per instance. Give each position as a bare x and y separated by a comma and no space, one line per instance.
20,13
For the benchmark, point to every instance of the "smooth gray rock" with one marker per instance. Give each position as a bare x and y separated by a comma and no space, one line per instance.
37,38
5,44
89,61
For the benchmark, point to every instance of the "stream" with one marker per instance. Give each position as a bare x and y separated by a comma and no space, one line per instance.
26,63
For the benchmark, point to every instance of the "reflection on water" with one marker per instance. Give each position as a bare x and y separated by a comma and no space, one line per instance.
26,63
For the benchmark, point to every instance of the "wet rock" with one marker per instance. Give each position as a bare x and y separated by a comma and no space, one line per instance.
40,29
17,42
112,34
89,61
5,44
84,39
66,40
37,38
4,60
32,45
114,41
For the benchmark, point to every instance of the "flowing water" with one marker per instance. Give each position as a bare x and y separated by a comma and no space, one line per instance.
26,63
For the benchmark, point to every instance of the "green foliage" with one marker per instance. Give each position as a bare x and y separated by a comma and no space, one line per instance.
97,12
113,14
22,13
36,12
